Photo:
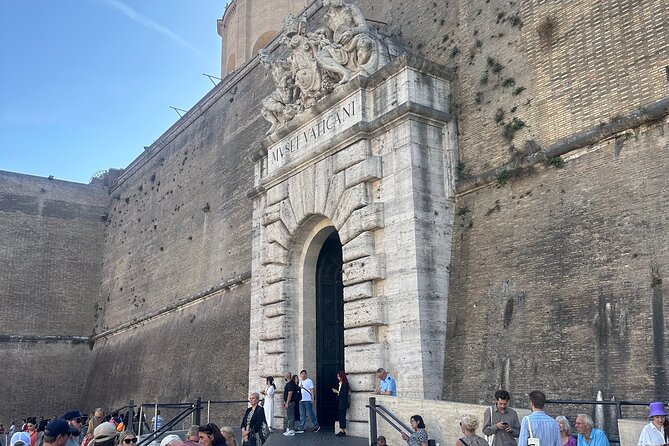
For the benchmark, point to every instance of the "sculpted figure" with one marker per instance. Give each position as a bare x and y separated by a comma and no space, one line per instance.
279,107
354,46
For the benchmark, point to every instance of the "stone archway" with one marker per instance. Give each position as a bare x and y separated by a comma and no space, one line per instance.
375,163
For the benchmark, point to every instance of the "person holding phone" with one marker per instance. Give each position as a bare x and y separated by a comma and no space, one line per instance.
500,423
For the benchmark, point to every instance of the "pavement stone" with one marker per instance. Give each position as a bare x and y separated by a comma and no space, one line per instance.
323,437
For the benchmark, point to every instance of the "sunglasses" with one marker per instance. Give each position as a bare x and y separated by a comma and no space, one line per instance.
79,420
130,440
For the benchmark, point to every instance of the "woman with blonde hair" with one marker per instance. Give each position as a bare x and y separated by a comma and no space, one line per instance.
565,431
468,426
229,436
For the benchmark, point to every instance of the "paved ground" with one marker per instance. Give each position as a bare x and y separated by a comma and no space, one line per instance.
322,438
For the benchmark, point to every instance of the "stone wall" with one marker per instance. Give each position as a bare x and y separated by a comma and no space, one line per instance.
558,277
50,249
180,226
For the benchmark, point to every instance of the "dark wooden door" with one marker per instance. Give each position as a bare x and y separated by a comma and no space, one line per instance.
329,328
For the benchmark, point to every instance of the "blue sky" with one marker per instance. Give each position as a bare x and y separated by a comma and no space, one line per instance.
86,84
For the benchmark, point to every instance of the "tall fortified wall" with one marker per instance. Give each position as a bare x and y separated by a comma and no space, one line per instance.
51,235
174,300
528,74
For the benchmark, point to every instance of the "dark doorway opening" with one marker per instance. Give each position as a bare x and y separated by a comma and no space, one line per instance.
329,327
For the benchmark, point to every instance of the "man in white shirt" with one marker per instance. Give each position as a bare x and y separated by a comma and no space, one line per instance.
308,396
653,433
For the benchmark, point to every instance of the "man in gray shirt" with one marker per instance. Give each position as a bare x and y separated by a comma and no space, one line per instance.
501,422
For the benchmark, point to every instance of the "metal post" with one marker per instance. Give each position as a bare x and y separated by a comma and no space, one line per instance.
141,418
372,421
154,421
198,409
208,410
131,421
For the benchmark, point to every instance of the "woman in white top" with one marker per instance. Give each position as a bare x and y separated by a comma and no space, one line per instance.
653,433
268,404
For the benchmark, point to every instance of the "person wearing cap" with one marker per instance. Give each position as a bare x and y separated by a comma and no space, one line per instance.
105,435
171,440
20,439
57,432
653,433
75,420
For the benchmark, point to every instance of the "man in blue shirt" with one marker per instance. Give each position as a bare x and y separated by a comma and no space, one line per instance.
587,436
387,385
541,425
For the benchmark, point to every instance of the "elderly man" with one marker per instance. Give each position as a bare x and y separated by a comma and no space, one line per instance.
387,386
538,424
587,435
500,422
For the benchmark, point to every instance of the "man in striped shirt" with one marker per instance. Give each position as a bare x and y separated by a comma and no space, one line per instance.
538,424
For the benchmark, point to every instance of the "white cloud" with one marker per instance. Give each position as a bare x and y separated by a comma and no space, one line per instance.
152,25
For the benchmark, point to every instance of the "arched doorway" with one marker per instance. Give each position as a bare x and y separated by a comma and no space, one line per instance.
329,327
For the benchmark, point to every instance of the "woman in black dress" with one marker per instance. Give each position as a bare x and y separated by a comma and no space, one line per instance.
342,401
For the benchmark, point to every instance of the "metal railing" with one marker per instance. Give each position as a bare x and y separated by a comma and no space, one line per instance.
390,418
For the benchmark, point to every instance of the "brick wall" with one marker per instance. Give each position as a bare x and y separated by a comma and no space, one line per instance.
558,278
50,250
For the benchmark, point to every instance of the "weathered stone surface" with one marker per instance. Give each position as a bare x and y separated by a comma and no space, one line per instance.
368,218
360,335
352,199
301,192
323,177
272,293
363,290
353,154
272,214
363,270
335,191
361,313
277,193
363,358
273,347
359,247
278,233
272,328
367,170
274,253
275,310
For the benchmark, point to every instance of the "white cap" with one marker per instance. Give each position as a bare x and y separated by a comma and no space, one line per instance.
169,439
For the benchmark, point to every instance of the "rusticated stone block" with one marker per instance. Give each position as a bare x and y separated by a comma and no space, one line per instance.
359,247
275,346
272,214
360,335
363,358
367,170
368,218
272,364
362,313
363,290
323,176
277,193
278,233
335,191
273,293
301,193
354,198
274,253
272,329
363,270
288,217
274,273
353,154
363,382
276,309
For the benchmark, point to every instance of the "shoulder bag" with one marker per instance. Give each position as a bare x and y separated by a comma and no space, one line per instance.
490,438
532,440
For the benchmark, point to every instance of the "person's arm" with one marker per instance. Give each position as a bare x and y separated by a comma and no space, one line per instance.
258,418
488,428
515,425
343,393
392,388
313,392
289,398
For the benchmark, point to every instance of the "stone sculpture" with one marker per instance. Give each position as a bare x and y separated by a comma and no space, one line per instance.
321,60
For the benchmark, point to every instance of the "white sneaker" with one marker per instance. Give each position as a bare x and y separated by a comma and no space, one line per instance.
289,433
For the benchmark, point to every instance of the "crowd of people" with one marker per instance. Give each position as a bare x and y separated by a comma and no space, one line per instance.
501,424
